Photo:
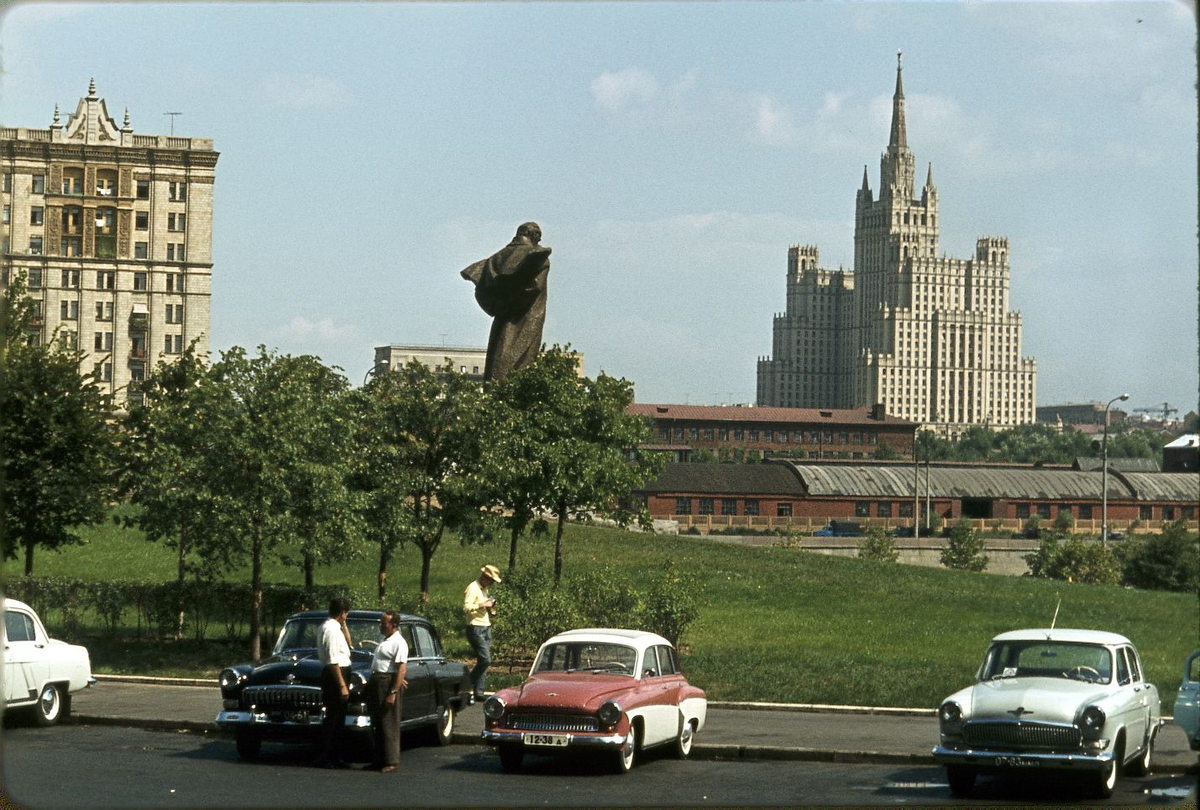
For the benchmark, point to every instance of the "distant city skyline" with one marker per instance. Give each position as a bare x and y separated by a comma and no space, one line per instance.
671,154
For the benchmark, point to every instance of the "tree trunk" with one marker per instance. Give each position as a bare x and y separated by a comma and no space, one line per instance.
256,567
385,555
29,558
558,536
309,564
512,547
181,613
426,560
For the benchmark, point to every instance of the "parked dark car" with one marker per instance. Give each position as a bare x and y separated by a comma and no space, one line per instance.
840,528
279,698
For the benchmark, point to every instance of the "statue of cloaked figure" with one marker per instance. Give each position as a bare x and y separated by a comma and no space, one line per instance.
510,285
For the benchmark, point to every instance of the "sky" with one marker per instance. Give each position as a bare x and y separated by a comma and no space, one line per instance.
671,152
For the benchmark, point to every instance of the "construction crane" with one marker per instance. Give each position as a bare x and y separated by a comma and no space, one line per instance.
1163,411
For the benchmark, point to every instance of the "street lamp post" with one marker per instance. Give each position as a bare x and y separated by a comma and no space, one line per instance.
1104,474
380,366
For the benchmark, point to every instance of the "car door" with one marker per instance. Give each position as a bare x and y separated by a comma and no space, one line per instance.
661,682
418,697
22,654
1143,694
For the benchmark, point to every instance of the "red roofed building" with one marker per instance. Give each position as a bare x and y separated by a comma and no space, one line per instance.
743,433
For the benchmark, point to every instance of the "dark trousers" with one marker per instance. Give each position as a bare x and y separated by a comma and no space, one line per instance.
385,719
480,639
334,724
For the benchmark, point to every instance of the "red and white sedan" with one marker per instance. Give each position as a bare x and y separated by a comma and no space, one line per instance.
615,692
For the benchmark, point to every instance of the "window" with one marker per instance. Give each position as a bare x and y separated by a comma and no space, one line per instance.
7,182
729,506
178,193
68,310
19,626
141,220
139,282
1064,509
175,254
141,250
35,277
7,213
1135,670
1187,513
1122,669
905,509
1085,512
783,510
750,507
173,344
723,434
35,246
70,278
70,246
39,184
72,182
663,433
72,219
106,280
1168,513
143,189
176,222
174,313
883,509
104,310
106,183
693,433
843,437
798,436
104,341
737,435
862,509
683,506
1144,512
1022,511
768,436
706,506
677,432
105,372
1043,510
752,435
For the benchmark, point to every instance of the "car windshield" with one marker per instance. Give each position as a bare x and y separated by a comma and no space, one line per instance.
301,633
586,656
1048,659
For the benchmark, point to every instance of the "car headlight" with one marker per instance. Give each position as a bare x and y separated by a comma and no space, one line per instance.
358,680
493,708
1092,721
230,678
609,713
950,715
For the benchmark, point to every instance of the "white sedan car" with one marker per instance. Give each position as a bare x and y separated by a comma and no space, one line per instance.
40,672
1073,700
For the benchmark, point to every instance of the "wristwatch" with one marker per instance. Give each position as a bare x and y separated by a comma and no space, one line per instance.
394,692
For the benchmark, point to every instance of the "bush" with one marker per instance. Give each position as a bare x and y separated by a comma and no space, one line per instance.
1064,521
964,549
1168,561
1033,527
1079,559
877,545
670,606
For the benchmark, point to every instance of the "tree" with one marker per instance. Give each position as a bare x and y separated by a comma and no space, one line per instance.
1167,561
418,465
164,449
1078,559
877,545
54,428
884,452
964,548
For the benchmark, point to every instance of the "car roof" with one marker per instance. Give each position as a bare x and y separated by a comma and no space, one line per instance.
1064,634
638,638
8,601
355,614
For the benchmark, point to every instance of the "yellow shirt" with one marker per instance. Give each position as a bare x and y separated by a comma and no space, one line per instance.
473,601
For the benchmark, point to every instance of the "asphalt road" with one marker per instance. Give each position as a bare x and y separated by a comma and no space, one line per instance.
104,766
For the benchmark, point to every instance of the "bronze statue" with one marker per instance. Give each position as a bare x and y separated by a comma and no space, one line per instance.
510,285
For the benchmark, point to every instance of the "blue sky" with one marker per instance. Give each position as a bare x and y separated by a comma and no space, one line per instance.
671,152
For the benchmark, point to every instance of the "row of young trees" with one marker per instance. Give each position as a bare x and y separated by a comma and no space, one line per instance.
1038,444
267,456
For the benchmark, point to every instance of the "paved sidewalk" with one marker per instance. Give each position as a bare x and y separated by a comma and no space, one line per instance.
733,731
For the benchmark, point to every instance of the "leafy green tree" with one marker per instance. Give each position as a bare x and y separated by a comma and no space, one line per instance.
964,548
419,461
1064,522
877,545
54,468
1077,559
164,449
885,452
1167,561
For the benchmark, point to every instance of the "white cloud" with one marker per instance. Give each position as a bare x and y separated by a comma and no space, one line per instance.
301,328
624,88
773,121
300,92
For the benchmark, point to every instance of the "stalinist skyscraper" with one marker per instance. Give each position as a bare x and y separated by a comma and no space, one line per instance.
930,338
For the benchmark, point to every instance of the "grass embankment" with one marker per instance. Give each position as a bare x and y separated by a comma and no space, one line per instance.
775,624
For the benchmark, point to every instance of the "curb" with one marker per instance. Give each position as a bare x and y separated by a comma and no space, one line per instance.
156,681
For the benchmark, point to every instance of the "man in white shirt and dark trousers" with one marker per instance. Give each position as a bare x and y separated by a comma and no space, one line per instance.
385,693
333,650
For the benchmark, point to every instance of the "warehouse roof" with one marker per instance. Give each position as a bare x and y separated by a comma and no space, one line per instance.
730,479
738,413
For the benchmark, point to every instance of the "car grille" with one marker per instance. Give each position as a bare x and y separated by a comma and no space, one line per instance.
554,722
267,698
1022,735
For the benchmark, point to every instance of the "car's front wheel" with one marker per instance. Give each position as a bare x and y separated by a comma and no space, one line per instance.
510,757
1106,780
51,705
623,759
443,732
961,779
683,743
248,745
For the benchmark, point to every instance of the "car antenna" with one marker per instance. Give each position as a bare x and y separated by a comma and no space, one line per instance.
1055,619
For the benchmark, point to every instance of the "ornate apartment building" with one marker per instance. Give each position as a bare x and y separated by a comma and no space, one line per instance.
931,338
114,233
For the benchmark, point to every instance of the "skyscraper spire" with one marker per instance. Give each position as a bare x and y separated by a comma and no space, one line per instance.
865,186
929,177
899,136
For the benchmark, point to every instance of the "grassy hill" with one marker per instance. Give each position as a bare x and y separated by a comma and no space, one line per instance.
775,624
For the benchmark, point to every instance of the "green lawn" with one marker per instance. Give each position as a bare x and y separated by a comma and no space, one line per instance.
775,624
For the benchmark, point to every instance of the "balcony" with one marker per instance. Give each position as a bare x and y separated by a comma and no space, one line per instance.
137,354
139,322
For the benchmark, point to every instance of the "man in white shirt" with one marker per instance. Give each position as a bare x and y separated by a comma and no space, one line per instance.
333,650
480,608
385,693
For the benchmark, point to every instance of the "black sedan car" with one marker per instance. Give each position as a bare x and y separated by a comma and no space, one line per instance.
279,698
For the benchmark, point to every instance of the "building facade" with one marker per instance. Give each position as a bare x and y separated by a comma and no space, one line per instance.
113,232
929,337
468,360
732,433
1086,413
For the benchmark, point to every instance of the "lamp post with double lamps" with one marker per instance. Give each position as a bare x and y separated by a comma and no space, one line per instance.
1104,474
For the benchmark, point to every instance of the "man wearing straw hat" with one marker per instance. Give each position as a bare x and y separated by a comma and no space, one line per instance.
480,608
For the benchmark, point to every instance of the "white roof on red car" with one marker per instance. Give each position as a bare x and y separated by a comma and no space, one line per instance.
1065,635
638,638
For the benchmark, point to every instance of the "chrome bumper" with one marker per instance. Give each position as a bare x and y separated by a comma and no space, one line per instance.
988,758
263,720
613,741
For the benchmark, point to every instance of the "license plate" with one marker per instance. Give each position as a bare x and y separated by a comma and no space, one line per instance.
297,717
550,740
1016,762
